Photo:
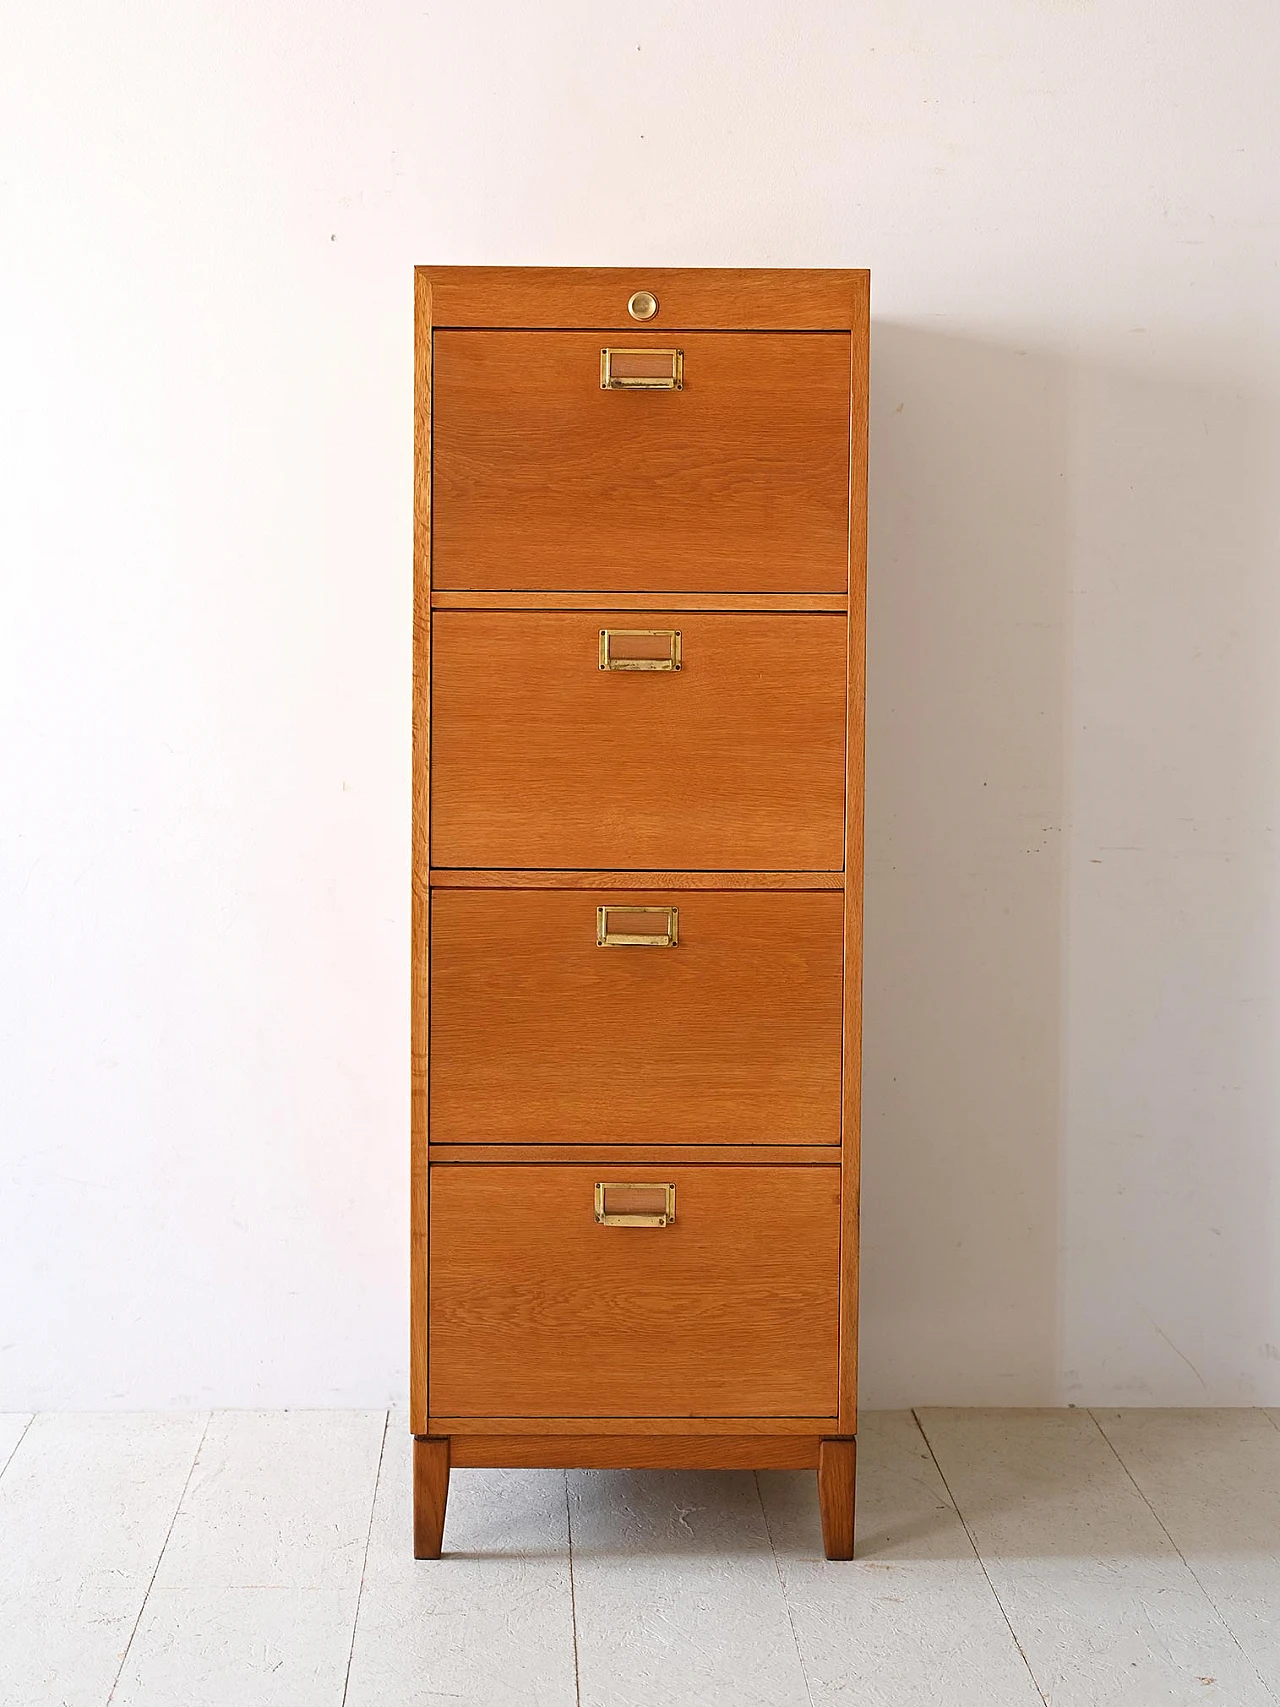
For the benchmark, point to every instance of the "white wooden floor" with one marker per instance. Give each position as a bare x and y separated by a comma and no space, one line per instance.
1006,1558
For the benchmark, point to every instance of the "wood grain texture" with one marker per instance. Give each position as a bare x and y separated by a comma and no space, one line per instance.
430,1495
731,1037
754,880
541,758
739,482
837,1463
855,788
836,603
536,1310
635,1451
756,298
420,857
639,1155
527,1425
752,444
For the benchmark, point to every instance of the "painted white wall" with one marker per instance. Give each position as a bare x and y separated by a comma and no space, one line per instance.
208,218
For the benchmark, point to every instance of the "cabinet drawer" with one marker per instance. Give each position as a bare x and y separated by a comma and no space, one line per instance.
738,481
542,758
541,1035
538,1310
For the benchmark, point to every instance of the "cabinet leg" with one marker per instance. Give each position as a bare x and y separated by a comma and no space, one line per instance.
430,1493
837,1462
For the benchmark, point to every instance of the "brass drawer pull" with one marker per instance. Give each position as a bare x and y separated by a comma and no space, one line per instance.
634,1205
607,937
635,649
641,370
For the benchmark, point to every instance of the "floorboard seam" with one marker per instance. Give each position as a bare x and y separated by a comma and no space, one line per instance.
982,1563
782,1590
364,1562
151,1583
573,1599
1190,1568
17,1443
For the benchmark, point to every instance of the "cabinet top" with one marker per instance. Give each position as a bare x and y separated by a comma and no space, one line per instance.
690,298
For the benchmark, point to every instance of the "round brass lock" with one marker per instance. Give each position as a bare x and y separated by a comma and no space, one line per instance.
643,305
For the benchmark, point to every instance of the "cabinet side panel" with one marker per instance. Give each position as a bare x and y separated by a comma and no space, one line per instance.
420,902
852,1112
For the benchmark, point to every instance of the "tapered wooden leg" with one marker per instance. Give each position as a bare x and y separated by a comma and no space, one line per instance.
837,1465
430,1493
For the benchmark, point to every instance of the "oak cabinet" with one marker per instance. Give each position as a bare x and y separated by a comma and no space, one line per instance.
637,905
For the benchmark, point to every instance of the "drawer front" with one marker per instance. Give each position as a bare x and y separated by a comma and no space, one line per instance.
543,759
538,1310
736,482
541,1034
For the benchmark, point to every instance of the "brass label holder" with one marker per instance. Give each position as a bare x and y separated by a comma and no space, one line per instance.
641,370
668,937
609,660
634,1218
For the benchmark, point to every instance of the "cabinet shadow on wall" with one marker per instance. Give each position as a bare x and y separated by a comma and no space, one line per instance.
967,612
1073,620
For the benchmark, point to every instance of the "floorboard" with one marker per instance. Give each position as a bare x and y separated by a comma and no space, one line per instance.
85,1505
1213,1480
1104,1608
678,1596
240,1647
1005,1559
255,1597
488,1625
913,1618
13,1425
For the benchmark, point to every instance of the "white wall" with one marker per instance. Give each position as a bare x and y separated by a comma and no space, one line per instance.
208,218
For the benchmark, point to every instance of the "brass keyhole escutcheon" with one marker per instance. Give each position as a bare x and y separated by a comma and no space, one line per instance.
643,305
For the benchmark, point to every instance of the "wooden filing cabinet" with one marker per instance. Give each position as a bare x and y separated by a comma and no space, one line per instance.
639,572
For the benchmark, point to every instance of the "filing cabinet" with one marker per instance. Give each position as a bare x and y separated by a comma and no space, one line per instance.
639,572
